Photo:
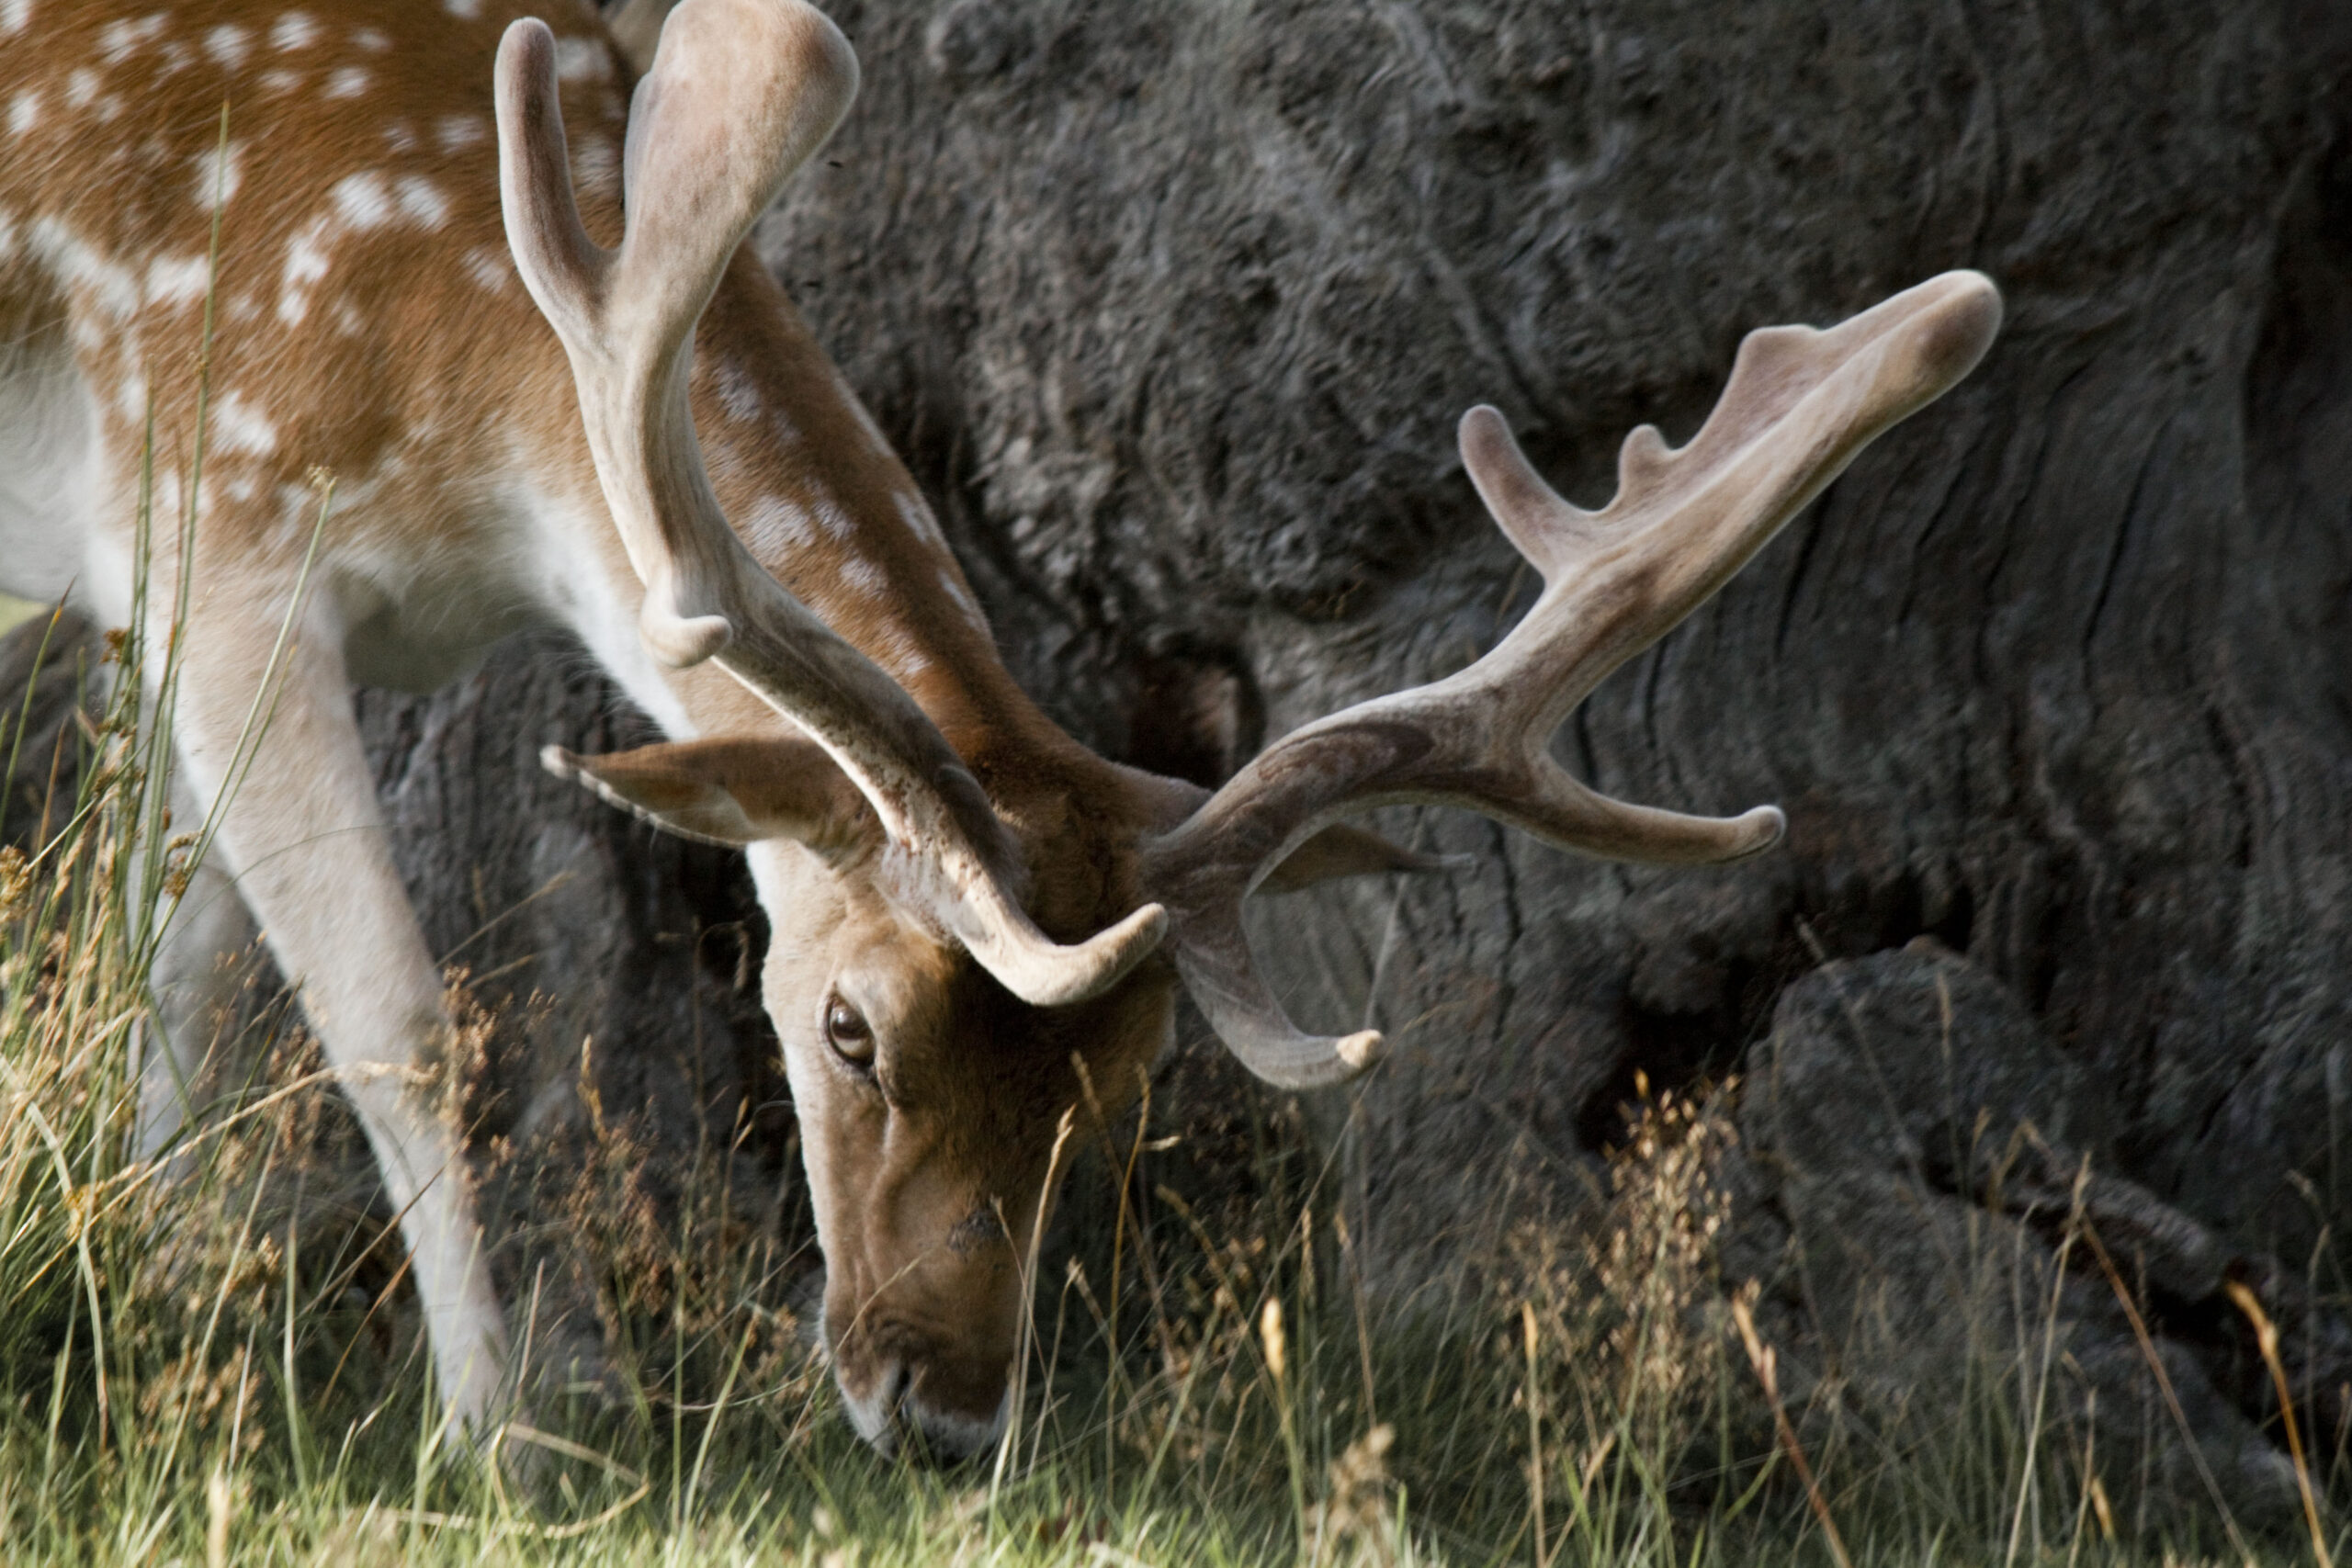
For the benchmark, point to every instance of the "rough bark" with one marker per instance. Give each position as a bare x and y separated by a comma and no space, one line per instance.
1921,1191
1173,305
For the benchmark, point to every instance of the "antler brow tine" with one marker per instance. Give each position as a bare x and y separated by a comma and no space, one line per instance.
740,93
1799,405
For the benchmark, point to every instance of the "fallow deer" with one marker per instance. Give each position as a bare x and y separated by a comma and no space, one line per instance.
408,194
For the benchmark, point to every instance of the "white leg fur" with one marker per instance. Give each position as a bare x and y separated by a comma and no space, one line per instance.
47,458
304,840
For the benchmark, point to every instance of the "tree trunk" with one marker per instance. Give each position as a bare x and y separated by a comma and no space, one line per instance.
1173,305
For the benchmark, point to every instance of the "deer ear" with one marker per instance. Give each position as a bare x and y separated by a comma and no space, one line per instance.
733,791
1343,851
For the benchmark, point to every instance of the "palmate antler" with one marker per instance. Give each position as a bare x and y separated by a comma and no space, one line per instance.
740,93
1799,404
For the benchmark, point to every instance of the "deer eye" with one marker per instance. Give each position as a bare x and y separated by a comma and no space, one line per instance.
848,1033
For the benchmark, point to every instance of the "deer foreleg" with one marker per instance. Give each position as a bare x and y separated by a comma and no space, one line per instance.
302,839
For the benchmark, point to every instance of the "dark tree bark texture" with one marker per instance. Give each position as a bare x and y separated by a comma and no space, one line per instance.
1173,305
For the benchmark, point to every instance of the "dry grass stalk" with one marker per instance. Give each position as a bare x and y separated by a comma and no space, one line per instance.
1534,1438
2147,1344
1762,1357
2266,1337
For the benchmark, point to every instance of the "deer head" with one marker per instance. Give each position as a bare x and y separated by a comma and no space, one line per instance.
976,935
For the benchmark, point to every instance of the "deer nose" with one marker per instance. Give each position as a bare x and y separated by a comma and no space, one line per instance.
905,1412
947,1437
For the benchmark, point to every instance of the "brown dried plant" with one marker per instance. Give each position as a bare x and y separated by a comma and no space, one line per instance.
1619,1320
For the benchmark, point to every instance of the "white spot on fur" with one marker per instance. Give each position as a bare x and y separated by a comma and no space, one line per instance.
177,57
80,87
24,111
773,526
218,175
347,82
241,488
456,132
421,201
961,599
280,81
119,41
581,60
489,268
13,15
738,393
371,40
362,200
466,10
178,282
900,654
228,44
130,399
829,517
114,290
348,322
238,426
862,575
918,519
400,136
307,260
293,30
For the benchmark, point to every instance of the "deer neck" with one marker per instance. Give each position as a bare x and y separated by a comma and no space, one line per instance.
815,491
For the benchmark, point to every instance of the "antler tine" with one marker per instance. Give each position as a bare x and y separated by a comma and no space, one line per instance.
740,93
1799,405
